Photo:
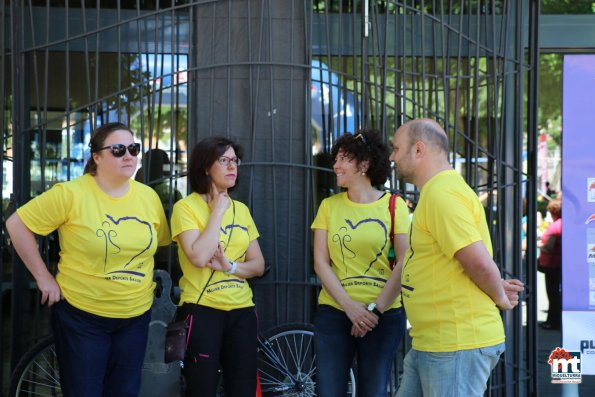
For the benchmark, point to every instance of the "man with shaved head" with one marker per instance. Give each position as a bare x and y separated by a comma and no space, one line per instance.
451,287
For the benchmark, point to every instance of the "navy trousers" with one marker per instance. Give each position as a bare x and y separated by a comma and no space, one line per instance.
99,356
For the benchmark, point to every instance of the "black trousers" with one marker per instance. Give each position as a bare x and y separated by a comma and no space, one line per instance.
223,340
553,279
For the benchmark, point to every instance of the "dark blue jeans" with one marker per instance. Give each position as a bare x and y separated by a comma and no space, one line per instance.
336,348
99,356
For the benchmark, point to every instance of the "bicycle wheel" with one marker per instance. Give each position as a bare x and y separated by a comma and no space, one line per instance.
286,362
37,373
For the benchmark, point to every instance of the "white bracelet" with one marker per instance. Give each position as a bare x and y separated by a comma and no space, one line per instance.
234,267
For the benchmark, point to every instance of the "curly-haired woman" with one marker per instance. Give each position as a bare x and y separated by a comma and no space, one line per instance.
359,313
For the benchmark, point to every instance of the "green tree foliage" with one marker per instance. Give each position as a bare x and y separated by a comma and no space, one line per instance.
567,6
402,7
550,95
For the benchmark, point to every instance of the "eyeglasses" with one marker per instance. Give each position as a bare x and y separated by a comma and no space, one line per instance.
361,137
224,161
119,149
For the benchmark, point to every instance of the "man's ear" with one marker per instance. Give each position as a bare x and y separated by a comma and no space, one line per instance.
420,149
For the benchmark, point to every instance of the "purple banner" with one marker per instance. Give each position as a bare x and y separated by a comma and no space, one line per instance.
578,183
578,209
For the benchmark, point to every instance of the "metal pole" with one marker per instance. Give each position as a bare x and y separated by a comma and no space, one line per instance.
22,183
532,119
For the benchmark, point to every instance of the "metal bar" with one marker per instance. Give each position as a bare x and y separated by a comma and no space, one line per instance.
46,64
3,160
141,82
290,208
97,105
474,108
531,194
119,61
67,106
228,70
266,6
41,130
422,81
358,87
309,180
192,76
154,95
213,53
21,180
342,124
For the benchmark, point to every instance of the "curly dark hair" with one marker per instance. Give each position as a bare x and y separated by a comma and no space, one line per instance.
203,156
367,144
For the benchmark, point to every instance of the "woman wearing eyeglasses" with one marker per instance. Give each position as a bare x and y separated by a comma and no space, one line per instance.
359,312
218,251
109,228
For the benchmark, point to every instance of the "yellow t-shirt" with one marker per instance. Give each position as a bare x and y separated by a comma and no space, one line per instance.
224,292
358,244
106,244
446,309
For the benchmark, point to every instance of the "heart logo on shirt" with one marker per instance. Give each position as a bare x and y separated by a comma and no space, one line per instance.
227,233
343,238
118,231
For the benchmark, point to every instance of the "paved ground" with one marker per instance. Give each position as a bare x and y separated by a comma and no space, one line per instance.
546,342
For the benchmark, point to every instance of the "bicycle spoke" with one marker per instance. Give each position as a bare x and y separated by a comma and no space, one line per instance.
294,357
39,377
286,365
47,369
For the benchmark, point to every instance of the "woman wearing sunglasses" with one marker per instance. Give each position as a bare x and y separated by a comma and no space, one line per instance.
109,228
359,312
218,251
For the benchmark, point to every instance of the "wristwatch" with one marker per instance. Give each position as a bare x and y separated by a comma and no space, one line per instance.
234,267
372,308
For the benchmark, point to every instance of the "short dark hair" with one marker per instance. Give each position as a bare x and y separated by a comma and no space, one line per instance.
98,137
203,156
367,144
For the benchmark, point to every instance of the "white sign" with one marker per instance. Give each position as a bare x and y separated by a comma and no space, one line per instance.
579,336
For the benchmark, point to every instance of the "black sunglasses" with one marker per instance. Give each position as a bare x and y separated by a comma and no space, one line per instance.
119,149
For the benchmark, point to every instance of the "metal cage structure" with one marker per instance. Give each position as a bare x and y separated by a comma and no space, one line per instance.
284,78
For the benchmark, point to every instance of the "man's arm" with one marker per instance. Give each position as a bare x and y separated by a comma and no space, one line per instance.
392,288
480,267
